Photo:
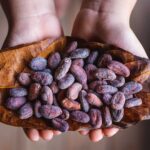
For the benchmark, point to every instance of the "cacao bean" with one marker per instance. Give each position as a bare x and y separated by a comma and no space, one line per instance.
102,89
78,62
118,82
133,102
25,111
18,92
95,118
73,91
38,64
92,57
54,87
46,95
37,106
54,60
84,104
119,68
71,47
117,115
104,60
65,114
50,111
24,78
128,96
63,68
94,100
14,103
104,74
44,78
34,91
66,81
131,88
60,124
93,84
118,101
80,116
70,105
80,53
107,98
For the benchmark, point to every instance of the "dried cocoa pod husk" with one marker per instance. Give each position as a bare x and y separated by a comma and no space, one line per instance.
14,60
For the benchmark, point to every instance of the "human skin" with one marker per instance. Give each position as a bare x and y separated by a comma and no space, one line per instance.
34,20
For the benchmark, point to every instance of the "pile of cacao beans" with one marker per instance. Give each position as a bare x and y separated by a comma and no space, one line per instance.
80,85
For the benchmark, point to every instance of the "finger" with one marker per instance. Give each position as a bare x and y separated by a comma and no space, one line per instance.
84,132
46,134
56,132
110,132
96,135
32,134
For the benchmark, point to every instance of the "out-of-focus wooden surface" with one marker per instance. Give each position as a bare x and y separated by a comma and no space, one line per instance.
134,138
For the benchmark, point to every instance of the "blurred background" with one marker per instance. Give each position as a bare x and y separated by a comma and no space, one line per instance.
134,138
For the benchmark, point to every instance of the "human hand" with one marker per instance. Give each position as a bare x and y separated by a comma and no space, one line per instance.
31,21
107,21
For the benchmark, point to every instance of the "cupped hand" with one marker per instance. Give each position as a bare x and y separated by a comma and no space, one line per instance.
108,22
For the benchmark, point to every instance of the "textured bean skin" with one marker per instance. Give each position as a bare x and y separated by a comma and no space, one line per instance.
38,64
18,92
95,118
105,74
24,78
63,68
92,57
34,91
93,84
47,70
90,69
119,68
54,87
128,96
80,116
44,78
65,114
94,100
25,111
133,102
15,103
66,81
55,102
102,89
46,95
73,91
118,101
80,53
50,111
117,115
107,120
79,73
78,62
107,98
131,88
71,47
118,82
54,60
104,60
70,105
84,103
60,124
37,106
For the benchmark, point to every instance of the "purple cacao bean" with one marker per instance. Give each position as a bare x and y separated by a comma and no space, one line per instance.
103,89
80,53
54,60
24,78
117,115
54,87
93,84
60,124
18,92
50,111
71,47
38,64
92,57
14,103
44,78
95,118
37,106
66,81
128,96
133,102
65,114
78,62
63,68
118,82
46,95
80,116
118,101
25,111
104,60
107,98
84,103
